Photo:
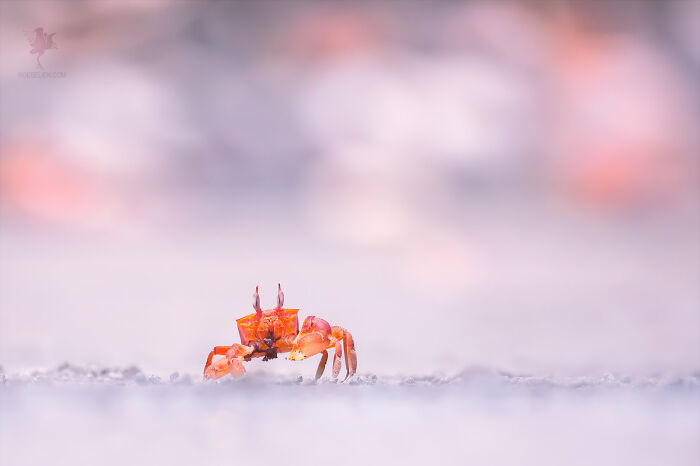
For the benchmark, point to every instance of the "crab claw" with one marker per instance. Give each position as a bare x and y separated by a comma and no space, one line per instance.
235,367
307,346
311,340
232,363
218,368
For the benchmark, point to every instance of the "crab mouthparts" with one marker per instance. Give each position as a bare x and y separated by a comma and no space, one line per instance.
295,355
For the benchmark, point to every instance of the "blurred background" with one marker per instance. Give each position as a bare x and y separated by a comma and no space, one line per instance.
502,184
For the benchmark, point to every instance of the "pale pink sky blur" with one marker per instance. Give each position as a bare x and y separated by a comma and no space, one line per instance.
486,183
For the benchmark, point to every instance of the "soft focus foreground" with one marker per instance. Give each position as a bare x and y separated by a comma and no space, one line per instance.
477,183
75,415
510,185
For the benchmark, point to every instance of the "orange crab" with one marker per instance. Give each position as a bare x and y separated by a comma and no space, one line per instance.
265,334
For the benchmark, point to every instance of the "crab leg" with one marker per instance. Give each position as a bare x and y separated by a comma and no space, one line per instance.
350,354
321,365
336,359
342,335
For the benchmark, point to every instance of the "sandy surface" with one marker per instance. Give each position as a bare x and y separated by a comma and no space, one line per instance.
97,415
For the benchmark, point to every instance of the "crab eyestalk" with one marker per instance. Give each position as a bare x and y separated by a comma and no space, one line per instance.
280,297
256,302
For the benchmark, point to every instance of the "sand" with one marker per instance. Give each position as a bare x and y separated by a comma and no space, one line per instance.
76,415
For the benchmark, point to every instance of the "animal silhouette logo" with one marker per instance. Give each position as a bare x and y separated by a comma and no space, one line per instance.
40,43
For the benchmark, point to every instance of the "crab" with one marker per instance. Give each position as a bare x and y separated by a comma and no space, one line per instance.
267,333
